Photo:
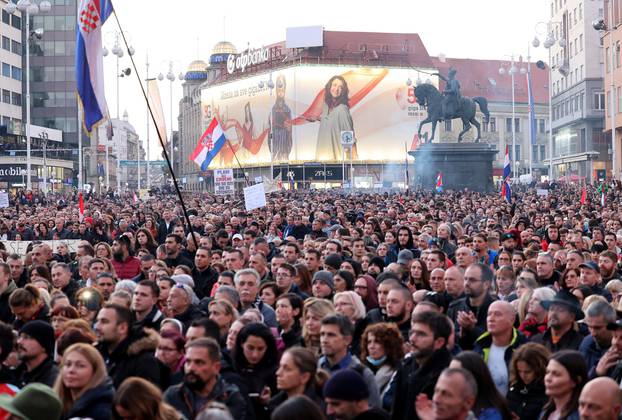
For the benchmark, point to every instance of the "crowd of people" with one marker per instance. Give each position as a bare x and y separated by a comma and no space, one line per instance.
320,305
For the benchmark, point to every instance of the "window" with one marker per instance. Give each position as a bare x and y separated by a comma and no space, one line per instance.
534,153
16,22
484,126
619,97
6,18
6,70
542,125
617,54
517,125
16,47
448,128
508,125
493,125
580,11
16,73
16,99
6,96
6,43
599,100
580,42
518,155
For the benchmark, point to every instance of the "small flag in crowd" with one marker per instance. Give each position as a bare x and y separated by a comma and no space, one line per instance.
602,189
583,195
209,145
439,182
135,197
506,190
81,205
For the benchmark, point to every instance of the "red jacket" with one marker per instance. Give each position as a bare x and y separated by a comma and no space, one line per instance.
127,269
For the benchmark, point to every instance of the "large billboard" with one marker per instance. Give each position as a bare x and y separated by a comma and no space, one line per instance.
298,114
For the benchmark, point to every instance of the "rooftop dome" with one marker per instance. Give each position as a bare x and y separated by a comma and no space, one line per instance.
197,66
224,47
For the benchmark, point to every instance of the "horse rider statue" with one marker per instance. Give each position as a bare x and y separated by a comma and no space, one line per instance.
451,94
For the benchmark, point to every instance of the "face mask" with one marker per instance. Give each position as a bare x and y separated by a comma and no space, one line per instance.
376,362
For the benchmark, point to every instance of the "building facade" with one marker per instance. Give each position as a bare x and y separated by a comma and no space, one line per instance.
611,41
580,147
11,75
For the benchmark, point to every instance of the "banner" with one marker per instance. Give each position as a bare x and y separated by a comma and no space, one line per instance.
19,247
298,114
155,103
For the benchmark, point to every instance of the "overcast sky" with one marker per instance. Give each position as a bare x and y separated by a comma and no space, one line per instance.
184,31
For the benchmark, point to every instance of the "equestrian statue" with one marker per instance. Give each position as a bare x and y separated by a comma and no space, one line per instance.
450,104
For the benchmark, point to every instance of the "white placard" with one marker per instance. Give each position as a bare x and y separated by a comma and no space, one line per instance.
19,247
542,192
4,200
223,182
254,197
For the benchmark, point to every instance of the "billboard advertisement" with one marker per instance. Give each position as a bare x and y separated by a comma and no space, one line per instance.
298,114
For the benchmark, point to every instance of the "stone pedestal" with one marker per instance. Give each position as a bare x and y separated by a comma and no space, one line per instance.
463,165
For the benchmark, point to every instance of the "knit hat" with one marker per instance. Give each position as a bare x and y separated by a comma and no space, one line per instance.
42,332
333,261
35,401
326,277
346,385
405,257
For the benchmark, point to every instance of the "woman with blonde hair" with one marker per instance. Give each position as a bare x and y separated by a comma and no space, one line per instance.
313,311
139,399
83,385
224,314
103,250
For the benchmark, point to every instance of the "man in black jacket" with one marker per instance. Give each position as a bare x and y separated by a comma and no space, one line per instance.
203,384
144,305
428,338
564,310
35,349
469,312
126,351
203,273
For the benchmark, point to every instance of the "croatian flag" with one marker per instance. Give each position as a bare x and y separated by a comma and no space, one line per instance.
89,60
209,145
81,205
506,191
439,182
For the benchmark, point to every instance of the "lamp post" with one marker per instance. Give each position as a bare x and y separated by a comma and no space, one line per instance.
607,29
512,71
28,8
170,76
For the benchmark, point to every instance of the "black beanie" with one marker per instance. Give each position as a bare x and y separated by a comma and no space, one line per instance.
346,385
42,332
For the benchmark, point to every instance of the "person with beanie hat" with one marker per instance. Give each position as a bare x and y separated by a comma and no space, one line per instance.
347,397
323,285
332,262
35,349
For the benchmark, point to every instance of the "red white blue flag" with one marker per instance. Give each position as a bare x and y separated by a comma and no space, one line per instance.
506,190
209,145
89,60
439,182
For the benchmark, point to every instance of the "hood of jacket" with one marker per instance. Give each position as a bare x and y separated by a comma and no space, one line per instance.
142,341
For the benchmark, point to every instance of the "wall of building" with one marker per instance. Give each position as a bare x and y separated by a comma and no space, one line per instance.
10,71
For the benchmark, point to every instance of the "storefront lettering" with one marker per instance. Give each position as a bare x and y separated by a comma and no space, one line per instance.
249,58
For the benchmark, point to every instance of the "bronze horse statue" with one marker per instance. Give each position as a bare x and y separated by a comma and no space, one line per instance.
432,99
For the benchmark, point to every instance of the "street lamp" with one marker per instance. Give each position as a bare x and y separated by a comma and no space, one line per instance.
601,26
170,76
28,8
512,71
549,42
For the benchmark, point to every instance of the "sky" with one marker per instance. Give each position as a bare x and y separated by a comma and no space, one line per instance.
183,31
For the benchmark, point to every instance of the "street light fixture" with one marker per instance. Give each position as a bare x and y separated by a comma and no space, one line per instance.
170,76
512,71
28,8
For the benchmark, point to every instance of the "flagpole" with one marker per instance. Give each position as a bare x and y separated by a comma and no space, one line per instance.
166,156
148,156
532,109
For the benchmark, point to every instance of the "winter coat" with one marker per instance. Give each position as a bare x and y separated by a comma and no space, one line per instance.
467,338
6,315
45,373
571,340
96,403
134,356
526,400
484,342
183,399
412,380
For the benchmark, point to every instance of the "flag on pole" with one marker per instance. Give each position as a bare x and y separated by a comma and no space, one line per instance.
532,112
506,190
439,182
155,103
583,195
89,60
603,193
81,205
209,145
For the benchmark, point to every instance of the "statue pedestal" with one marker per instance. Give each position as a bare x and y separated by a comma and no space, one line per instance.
463,165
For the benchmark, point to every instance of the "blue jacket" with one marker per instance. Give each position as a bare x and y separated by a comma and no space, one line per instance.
96,403
591,352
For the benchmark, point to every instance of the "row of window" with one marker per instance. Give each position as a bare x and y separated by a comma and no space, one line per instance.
11,98
52,48
574,77
11,45
13,20
67,124
53,23
53,74
575,104
491,125
53,99
573,17
11,71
